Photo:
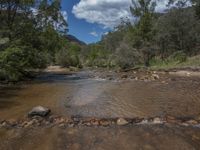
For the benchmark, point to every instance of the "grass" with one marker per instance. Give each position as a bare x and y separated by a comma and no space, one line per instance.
170,64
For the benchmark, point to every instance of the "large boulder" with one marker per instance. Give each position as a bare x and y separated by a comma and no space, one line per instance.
39,111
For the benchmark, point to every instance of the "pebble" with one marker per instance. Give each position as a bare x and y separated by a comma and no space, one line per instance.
155,76
90,122
157,121
104,123
62,125
95,122
145,121
122,122
192,122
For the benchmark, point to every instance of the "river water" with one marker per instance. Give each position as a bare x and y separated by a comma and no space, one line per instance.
79,95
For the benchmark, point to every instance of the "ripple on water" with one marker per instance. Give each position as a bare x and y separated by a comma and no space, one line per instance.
135,99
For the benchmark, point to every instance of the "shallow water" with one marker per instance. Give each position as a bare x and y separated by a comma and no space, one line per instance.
78,94
117,138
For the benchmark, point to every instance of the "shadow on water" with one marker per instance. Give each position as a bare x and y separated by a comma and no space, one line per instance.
8,104
8,92
53,77
6,95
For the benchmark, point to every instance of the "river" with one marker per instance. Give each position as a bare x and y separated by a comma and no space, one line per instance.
79,94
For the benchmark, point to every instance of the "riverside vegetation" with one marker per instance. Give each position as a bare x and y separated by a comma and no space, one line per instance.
33,36
159,40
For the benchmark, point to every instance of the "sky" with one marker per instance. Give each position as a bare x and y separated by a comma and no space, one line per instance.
88,20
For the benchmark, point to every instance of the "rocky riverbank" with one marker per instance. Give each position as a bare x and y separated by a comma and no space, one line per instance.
74,121
145,74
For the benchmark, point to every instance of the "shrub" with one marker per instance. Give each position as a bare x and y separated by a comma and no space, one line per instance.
15,61
126,56
178,56
65,59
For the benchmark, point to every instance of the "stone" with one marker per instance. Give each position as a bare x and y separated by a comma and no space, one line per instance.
71,125
12,122
155,76
28,124
95,122
104,123
4,124
122,122
124,76
185,124
157,121
87,124
60,121
192,122
39,111
144,121
171,119
62,125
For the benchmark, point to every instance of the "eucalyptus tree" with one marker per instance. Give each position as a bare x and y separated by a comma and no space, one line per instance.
144,11
184,3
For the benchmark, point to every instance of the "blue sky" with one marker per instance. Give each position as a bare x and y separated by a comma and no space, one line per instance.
80,27
89,19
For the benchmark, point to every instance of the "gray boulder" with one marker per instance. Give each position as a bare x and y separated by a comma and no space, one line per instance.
39,111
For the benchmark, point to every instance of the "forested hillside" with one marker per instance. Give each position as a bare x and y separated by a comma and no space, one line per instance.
168,37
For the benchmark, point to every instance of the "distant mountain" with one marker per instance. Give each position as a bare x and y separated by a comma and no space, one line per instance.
72,38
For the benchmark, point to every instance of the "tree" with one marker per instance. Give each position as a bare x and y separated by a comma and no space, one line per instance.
184,3
31,30
144,11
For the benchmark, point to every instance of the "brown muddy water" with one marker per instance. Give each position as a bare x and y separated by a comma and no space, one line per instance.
79,95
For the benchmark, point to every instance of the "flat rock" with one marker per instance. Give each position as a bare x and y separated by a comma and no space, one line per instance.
39,111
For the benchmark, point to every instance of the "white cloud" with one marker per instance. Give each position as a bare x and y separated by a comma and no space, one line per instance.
64,13
104,12
93,33
107,12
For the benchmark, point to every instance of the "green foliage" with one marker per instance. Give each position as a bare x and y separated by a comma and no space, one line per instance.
163,39
15,61
69,56
177,30
28,39
178,56
174,60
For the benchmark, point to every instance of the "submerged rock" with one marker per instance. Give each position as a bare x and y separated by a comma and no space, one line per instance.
39,111
122,122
